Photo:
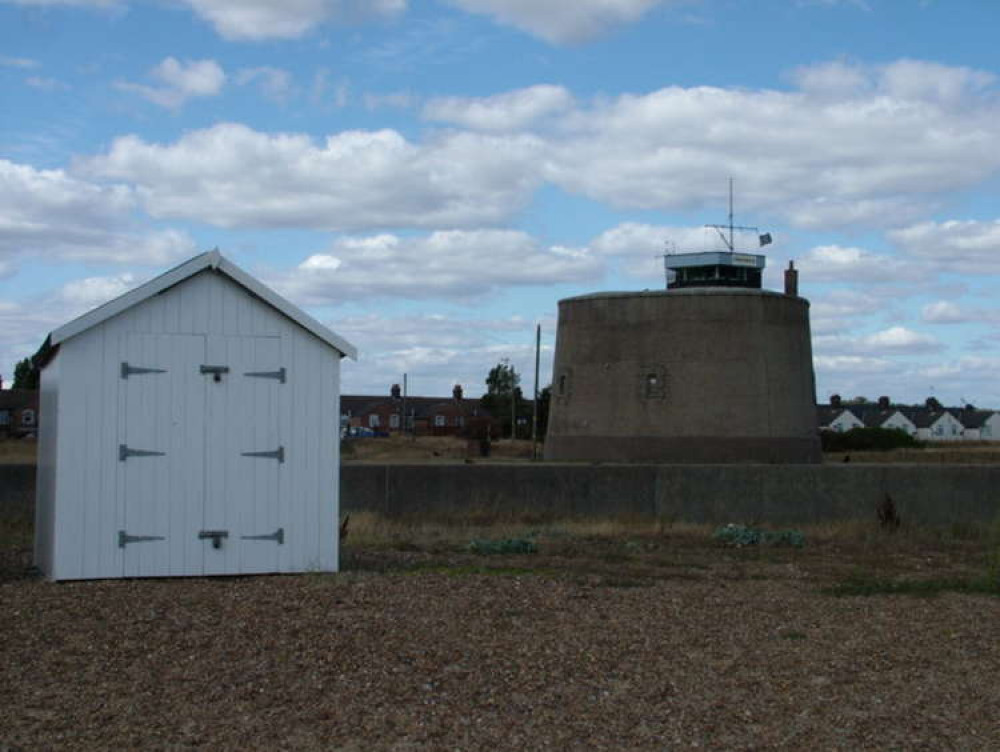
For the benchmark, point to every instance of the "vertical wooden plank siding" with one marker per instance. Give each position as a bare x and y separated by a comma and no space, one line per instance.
203,481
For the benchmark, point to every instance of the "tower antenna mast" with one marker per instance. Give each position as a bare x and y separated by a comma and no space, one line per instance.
731,240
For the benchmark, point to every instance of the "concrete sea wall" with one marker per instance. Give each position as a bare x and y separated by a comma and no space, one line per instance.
776,494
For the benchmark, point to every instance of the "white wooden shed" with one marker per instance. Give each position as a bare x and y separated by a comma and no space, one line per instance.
189,427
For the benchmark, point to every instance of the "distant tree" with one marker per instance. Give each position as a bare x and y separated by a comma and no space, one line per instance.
25,375
503,385
544,401
859,400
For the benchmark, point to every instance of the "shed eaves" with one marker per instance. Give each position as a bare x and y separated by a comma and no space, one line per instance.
211,260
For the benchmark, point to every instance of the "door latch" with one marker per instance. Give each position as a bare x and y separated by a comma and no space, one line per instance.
217,536
216,371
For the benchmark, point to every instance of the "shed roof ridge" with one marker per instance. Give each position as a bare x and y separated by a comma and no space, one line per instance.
215,261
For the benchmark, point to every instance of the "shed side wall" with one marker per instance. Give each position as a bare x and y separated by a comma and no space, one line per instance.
45,496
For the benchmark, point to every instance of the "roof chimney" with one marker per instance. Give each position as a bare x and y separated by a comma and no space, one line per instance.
883,403
457,392
395,391
792,280
834,400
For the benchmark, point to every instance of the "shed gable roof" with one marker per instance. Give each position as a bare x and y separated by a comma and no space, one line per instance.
210,260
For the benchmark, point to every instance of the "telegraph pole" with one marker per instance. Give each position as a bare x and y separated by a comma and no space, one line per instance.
534,414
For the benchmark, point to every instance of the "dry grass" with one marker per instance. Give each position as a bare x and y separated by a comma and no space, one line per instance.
615,635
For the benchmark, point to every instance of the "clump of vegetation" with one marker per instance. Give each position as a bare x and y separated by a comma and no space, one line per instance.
507,546
741,535
888,517
868,440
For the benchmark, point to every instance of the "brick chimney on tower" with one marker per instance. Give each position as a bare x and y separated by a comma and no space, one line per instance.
792,280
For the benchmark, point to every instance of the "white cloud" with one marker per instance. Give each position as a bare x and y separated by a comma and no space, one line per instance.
45,84
972,368
17,62
896,340
943,312
53,216
839,309
461,265
180,81
829,263
266,19
970,247
230,175
509,111
877,153
274,83
902,340
398,100
874,157
561,22
850,364
438,351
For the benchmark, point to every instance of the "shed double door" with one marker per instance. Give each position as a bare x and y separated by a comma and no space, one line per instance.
199,455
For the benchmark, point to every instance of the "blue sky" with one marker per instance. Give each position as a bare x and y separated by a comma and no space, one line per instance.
430,178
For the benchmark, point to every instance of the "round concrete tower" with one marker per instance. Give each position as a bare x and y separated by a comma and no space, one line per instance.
697,373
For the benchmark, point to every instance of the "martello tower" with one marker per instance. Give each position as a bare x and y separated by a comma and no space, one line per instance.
712,369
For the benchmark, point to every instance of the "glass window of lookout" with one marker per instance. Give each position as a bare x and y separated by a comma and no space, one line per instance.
715,275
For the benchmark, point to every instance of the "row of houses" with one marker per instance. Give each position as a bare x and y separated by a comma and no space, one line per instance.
18,412
434,416
438,416
931,421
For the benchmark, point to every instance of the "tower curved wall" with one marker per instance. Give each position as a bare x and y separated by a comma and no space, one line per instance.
690,375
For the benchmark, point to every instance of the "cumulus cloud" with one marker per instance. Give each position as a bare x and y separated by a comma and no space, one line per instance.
463,352
561,22
840,309
833,263
943,312
51,215
851,364
179,81
233,176
455,264
508,111
274,83
17,62
265,19
901,340
875,156
969,247
896,340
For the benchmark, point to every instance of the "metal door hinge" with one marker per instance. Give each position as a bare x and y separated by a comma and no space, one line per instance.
217,536
124,538
124,452
278,536
279,375
128,370
275,454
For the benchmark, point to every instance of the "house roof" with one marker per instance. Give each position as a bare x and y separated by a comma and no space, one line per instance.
420,407
873,414
214,261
